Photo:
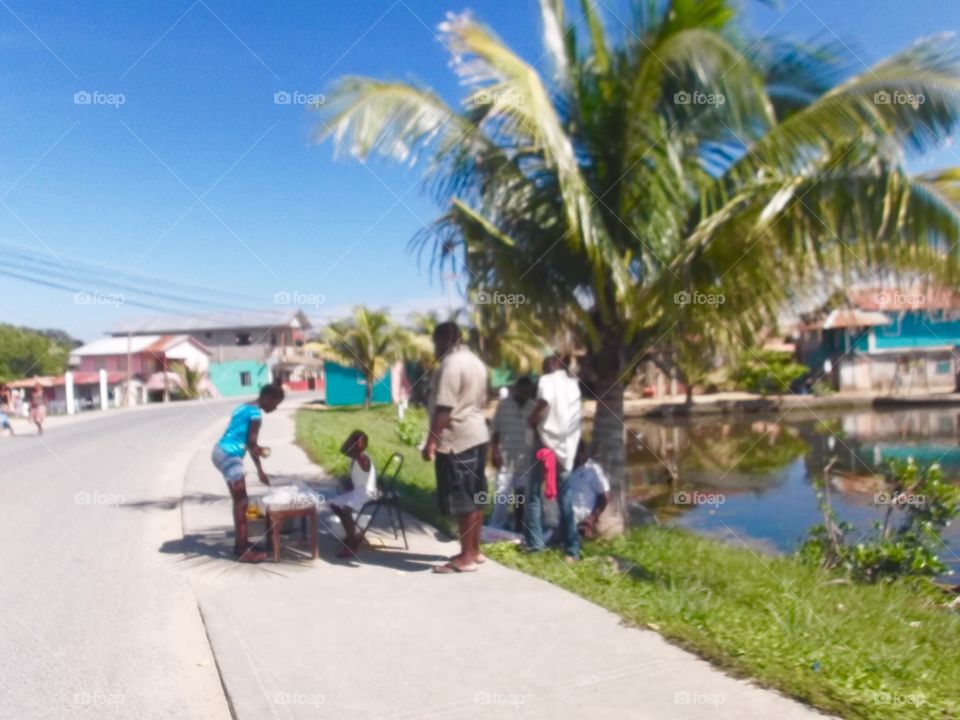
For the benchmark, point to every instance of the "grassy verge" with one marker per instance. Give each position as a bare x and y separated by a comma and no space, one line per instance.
860,651
321,432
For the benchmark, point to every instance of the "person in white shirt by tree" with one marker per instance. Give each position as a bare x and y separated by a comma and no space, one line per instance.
556,417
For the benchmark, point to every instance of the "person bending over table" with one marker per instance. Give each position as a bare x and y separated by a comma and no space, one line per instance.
241,435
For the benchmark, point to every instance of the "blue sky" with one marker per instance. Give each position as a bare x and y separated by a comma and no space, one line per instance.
201,178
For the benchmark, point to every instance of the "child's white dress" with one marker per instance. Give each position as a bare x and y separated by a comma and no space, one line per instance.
364,488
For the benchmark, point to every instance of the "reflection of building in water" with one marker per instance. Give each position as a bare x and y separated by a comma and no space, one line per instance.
903,425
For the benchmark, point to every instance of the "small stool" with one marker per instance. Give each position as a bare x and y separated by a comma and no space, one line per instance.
275,519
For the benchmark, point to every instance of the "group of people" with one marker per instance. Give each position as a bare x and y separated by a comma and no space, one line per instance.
10,404
534,442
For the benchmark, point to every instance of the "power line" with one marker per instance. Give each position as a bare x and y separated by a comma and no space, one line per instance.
66,275
60,286
30,255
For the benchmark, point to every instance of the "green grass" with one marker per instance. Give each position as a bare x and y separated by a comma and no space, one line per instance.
858,651
321,432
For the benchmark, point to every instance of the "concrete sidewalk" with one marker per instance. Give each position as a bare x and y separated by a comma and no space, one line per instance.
383,637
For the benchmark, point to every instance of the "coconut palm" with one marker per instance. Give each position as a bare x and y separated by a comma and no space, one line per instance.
369,342
654,168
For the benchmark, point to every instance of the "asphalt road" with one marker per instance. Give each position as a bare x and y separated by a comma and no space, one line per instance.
95,619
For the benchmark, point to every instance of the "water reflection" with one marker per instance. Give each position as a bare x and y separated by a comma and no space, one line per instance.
761,468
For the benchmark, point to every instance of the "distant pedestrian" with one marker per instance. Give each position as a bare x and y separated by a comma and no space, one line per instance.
457,441
241,435
556,417
511,451
38,407
5,423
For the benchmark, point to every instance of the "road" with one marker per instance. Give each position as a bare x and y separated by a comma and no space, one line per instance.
95,619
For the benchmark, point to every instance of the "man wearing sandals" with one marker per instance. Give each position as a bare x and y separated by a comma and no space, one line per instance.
457,441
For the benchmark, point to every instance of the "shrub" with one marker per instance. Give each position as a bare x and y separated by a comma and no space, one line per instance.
919,505
769,371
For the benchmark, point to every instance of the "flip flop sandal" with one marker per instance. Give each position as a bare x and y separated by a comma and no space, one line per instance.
451,569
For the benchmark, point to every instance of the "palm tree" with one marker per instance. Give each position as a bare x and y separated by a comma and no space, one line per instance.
368,342
656,168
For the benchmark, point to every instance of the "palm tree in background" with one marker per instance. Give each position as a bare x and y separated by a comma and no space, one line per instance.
370,343
671,177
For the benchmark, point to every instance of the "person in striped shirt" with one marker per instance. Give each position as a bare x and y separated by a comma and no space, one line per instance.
511,452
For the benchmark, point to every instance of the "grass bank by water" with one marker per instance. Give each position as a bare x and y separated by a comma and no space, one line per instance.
857,651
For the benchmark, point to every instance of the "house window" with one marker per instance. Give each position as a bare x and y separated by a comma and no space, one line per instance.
943,367
100,364
273,339
246,380
208,335
243,339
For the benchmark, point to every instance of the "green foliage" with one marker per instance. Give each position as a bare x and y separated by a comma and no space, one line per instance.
369,342
652,173
413,428
190,382
907,542
25,352
768,371
846,648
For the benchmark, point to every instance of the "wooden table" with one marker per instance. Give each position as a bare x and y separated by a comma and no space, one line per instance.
275,519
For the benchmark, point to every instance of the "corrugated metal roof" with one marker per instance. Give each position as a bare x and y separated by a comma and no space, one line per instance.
116,345
226,320
854,318
138,343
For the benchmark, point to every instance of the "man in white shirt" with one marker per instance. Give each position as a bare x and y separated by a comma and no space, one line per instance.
557,420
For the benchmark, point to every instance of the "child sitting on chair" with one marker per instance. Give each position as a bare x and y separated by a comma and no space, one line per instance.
363,476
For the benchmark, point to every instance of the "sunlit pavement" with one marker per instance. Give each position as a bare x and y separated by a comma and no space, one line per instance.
97,621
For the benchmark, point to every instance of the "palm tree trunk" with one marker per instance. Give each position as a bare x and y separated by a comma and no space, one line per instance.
609,448
368,396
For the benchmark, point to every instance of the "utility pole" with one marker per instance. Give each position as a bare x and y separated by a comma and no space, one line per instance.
128,400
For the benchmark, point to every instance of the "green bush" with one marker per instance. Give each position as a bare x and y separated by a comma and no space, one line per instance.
412,429
907,542
768,371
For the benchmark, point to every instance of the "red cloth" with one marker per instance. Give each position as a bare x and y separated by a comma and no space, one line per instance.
549,461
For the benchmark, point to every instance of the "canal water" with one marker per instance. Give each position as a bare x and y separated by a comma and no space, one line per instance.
748,480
